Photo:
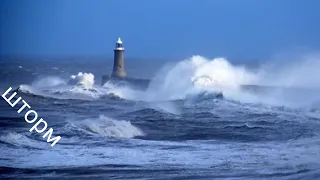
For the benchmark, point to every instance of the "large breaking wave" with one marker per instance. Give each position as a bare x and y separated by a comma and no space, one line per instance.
101,127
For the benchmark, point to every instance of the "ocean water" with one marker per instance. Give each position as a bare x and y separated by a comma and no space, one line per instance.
197,118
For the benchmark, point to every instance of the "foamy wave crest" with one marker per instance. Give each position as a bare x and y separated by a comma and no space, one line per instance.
85,80
26,89
218,72
18,139
106,126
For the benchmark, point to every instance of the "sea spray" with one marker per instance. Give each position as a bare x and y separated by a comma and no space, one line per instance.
298,72
48,82
85,80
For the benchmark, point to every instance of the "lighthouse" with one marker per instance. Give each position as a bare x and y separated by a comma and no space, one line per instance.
118,64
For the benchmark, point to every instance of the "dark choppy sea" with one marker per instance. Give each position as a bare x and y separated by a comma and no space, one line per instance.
194,120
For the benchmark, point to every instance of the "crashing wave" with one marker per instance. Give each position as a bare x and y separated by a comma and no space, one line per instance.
195,76
19,140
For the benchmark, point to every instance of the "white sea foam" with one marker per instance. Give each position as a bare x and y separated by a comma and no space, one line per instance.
109,127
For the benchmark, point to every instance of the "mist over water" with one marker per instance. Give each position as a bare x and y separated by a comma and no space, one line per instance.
300,71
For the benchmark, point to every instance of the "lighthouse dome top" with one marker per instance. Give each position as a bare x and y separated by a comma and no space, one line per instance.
119,41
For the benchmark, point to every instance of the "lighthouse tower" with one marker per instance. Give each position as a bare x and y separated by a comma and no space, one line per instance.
118,64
